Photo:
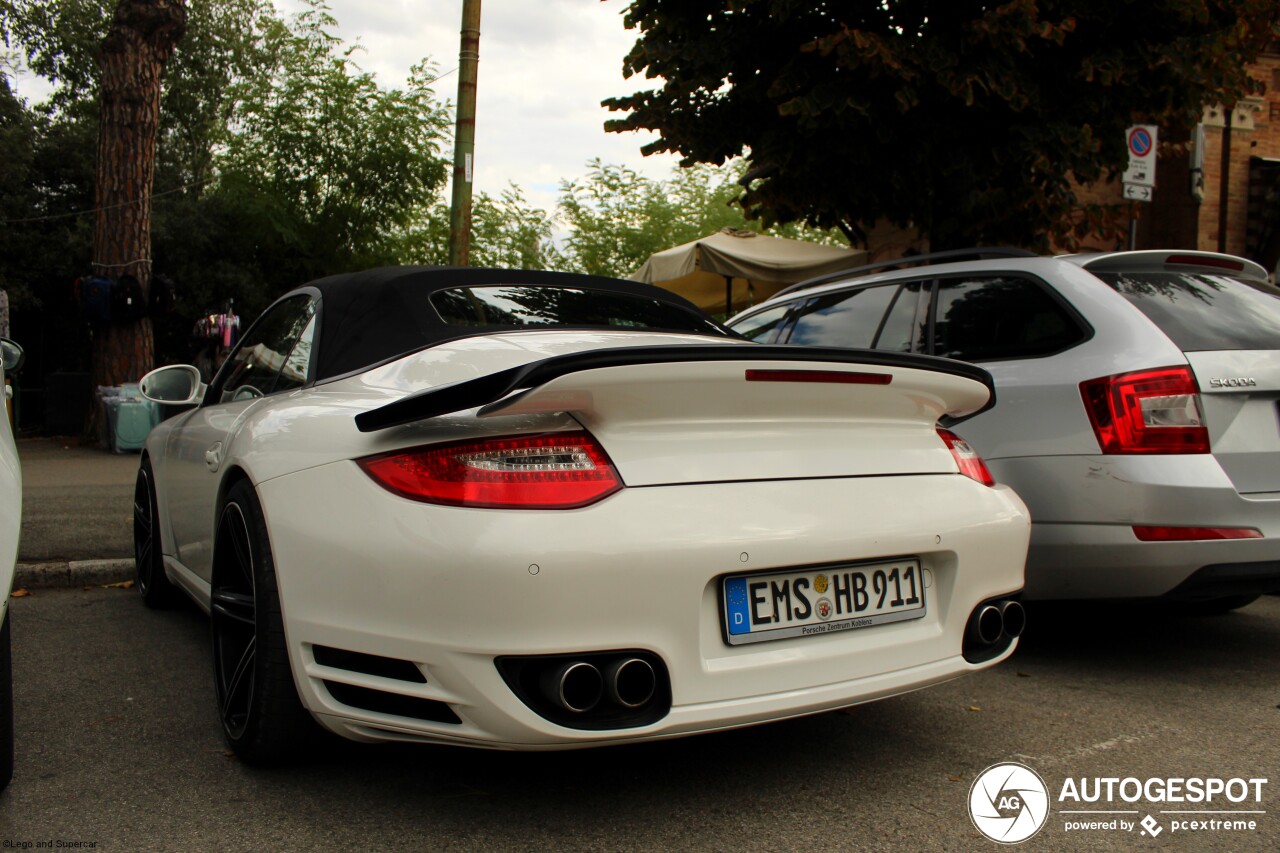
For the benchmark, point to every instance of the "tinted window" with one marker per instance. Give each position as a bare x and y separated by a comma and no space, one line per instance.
1203,312
905,328
846,319
983,319
523,307
270,353
761,327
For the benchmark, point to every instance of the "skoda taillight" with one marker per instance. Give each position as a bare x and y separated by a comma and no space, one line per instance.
1150,411
553,471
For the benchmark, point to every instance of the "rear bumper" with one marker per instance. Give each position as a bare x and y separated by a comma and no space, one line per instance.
1084,509
450,590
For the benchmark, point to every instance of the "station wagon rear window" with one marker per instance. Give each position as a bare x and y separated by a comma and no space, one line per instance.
1203,312
540,307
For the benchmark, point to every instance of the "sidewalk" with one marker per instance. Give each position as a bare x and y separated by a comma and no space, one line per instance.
77,514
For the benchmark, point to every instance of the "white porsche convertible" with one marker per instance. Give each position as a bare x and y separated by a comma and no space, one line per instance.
536,510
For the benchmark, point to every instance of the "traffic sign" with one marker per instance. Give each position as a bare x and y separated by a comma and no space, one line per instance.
1136,192
1141,140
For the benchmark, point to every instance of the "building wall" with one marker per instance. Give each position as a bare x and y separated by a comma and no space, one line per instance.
1262,139
1175,218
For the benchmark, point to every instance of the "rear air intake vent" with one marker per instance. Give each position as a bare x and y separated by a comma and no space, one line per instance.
397,705
401,670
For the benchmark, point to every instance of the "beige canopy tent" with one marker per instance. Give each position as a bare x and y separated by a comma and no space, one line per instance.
734,269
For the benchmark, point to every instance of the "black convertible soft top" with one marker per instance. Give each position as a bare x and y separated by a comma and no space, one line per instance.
371,317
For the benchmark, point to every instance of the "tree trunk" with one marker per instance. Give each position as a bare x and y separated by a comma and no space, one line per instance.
133,56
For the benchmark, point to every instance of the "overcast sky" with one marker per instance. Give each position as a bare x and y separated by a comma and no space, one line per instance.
545,65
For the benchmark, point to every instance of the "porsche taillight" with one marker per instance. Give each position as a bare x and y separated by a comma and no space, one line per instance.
1150,411
561,470
967,459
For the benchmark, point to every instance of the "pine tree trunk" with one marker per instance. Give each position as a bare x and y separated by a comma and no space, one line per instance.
133,56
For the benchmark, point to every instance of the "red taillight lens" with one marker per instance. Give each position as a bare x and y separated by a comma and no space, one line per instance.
970,463
1151,411
1188,534
561,470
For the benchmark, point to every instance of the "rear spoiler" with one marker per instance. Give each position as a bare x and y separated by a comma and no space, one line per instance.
471,393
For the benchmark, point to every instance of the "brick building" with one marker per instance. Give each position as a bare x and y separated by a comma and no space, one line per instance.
1251,190
1177,218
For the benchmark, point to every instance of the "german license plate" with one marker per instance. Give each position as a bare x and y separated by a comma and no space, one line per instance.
810,602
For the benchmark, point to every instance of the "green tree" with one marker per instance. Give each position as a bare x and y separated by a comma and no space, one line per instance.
970,120
617,218
506,232
324,166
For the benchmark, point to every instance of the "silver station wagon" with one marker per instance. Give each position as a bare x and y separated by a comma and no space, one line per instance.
1138,403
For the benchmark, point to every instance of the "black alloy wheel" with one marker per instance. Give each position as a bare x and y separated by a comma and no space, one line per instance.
148,560
261,716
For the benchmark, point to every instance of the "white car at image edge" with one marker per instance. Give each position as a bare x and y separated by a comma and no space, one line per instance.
10,527
535,510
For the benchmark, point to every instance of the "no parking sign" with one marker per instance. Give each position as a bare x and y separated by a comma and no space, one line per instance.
1141,140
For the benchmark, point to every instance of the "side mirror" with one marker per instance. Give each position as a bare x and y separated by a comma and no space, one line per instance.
175,385
10,356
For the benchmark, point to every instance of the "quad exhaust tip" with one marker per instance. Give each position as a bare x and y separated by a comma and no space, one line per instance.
591,690
988,626
578,686
1014,617
630,682
992,628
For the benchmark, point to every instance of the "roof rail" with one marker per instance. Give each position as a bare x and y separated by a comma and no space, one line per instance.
977,253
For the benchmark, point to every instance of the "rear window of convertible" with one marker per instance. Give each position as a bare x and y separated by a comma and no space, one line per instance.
538,307
1203,312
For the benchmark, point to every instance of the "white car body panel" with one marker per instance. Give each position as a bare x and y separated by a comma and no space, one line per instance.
10,506
10,531
405,603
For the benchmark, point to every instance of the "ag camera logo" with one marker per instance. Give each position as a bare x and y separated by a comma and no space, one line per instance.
1009,802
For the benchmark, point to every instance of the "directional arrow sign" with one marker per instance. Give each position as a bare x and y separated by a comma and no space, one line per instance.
1135,192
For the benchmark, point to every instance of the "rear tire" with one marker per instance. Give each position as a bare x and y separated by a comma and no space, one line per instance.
154,586
262,718
6,707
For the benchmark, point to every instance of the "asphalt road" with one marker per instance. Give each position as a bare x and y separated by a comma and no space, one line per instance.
77,502
118,745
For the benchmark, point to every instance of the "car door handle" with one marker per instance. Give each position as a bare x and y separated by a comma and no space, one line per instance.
213,457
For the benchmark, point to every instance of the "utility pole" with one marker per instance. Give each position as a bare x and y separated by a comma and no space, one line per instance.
464,137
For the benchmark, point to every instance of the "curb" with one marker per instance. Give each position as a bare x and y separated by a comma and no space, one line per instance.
71,574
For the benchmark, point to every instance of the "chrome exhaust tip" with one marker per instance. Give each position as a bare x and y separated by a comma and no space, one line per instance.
630,682
575,686
987,625
1014,616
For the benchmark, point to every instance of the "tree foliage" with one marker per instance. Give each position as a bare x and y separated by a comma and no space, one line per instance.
506,232
974,121
278,159
617,218
324,164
